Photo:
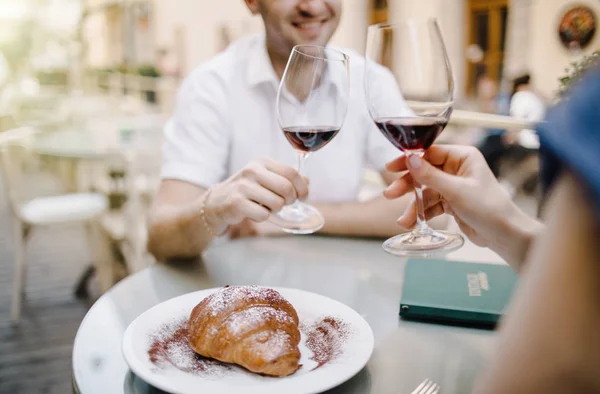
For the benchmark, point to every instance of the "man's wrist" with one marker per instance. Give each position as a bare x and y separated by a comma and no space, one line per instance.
212,222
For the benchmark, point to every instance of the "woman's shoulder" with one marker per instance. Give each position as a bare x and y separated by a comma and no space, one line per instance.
570,137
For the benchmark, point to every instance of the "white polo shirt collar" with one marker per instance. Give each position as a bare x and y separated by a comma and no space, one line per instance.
260,69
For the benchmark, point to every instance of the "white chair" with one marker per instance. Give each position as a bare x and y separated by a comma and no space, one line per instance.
143,179
40,211
142,176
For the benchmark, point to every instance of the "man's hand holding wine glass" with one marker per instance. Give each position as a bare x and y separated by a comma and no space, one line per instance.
259,189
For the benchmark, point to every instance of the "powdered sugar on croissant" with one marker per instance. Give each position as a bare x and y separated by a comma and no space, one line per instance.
251,326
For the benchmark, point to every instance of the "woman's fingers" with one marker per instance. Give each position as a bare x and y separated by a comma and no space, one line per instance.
399,187
409,220
437,156
397,165
434,211
431,199
409,217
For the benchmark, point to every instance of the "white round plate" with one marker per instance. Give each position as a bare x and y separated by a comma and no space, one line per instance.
356,350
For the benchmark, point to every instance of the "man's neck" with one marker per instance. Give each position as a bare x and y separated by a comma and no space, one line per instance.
278,60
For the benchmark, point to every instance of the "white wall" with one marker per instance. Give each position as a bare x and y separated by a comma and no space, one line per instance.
103,32
201,20
352,31
547,56
518,39
450,14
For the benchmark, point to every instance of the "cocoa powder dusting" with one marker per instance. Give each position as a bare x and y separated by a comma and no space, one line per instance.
169,347
325,338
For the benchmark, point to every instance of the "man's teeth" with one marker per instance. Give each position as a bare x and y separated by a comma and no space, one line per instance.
311,25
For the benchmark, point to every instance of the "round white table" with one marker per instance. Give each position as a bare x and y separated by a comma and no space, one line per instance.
355,272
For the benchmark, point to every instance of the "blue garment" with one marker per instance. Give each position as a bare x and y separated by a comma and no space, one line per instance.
502,108
503,103
570,138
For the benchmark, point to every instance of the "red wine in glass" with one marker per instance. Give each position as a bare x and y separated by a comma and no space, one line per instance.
310,115
412,116
311,138
412,134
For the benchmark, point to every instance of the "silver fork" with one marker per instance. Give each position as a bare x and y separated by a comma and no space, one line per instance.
427,387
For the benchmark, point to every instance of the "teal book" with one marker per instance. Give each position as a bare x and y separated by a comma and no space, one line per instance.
456,292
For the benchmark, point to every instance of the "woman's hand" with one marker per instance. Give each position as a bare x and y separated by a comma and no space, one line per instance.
458,181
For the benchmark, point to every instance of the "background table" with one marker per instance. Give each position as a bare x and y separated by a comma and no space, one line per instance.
78,144
355,272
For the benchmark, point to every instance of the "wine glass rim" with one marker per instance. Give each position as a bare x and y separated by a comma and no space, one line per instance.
410,21
298,48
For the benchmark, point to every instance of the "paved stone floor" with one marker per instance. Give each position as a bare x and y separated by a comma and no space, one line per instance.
35,356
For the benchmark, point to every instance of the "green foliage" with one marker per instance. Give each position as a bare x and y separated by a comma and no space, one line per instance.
52,77
148,71
575,72
18,49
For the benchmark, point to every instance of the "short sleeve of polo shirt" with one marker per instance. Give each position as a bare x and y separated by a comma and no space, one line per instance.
196,143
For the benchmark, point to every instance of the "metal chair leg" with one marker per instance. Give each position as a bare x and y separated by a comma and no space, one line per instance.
26,231
20,235
81,289
107,267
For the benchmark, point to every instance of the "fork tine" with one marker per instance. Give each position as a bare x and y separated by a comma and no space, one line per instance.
434,389
427,386
419,388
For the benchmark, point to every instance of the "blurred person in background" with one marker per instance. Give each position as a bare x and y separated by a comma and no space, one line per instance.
516,145
550,342
227,164
492,146
168,63
525,104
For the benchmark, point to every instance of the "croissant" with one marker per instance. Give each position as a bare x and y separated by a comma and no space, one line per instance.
251,326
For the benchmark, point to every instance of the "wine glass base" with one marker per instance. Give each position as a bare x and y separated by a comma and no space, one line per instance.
298,218
433,243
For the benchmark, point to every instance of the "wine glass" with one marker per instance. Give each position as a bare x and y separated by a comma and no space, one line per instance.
312,102
409,93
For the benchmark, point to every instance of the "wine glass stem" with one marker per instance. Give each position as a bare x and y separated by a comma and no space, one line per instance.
421,227
301,161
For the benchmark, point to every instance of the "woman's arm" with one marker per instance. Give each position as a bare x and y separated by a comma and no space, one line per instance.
550,342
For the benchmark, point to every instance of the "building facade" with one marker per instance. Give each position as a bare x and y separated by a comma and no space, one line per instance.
498,39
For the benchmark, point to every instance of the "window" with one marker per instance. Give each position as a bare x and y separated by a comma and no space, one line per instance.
379,11
487,21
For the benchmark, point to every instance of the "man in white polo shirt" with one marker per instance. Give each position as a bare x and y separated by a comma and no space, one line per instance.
227,164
